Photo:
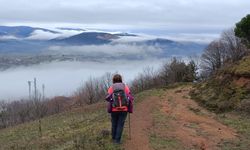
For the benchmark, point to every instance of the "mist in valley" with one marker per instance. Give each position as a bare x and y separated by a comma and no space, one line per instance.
63,78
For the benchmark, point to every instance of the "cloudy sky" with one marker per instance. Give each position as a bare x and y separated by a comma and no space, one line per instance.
132,15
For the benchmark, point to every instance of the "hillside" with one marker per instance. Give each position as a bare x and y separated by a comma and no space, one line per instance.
227,90
171,121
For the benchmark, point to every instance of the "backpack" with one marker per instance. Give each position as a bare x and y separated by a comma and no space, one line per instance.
120,100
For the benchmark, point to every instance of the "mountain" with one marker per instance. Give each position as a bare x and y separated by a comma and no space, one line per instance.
21,31
172,48
87,38
16,40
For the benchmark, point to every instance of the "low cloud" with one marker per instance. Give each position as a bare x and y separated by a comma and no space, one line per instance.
189,37
43,35
63,78
109,50
138,38
8,37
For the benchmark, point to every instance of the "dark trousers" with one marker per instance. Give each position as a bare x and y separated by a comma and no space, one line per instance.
118,120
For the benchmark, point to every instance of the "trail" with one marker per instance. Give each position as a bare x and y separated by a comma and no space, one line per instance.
141,122
192,125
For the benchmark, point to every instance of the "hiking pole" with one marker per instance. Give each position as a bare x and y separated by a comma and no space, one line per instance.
129,128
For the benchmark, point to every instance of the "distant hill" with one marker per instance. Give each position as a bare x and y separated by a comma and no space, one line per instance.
88,38
20,31
177,48
15,39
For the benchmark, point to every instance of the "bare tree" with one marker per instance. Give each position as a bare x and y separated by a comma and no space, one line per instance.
214,56
233,46
228,49
3,114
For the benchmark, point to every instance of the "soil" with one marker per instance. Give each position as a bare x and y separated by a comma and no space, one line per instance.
141,123
192,125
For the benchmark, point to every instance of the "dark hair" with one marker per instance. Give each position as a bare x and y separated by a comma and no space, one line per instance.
117,78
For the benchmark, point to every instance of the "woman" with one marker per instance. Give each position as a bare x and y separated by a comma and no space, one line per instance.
120,103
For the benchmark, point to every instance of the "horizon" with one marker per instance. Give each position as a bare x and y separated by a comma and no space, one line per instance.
154,17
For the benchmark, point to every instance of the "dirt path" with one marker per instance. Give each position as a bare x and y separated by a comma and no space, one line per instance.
141,122
190,124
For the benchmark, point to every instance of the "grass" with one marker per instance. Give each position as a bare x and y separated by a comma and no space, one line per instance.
158,92
158,140
219,95
242,125
160,120
79,129
224,91
161,123
242,68
82,129
164,143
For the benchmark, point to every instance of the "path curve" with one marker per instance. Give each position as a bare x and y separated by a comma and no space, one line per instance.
195,127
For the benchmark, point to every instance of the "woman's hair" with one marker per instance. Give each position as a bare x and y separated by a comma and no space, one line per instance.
117,78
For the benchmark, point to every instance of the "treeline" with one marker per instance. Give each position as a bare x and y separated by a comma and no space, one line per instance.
171,72
231,47
92,91
25,110
95,89
222,63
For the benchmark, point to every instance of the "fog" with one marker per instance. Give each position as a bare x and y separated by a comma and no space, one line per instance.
109,50
63,78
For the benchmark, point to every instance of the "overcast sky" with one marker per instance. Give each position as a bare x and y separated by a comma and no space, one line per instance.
134,15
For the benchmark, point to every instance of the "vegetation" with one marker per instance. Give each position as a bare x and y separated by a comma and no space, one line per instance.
159,141
219,53
60,123
86,127
241,68
175,71
226,64
242,29
220,95
78,129
241,123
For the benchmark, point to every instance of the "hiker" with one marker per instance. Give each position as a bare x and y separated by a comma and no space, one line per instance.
120,103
